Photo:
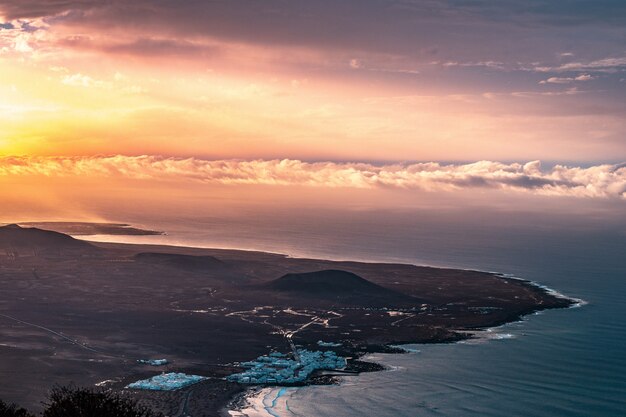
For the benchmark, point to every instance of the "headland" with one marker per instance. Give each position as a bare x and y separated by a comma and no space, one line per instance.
118,315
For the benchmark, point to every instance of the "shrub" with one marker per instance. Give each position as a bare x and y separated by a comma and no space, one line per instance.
85,402
12,410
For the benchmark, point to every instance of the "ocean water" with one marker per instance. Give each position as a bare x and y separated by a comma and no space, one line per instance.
557,363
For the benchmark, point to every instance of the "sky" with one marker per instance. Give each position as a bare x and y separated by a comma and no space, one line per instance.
493,101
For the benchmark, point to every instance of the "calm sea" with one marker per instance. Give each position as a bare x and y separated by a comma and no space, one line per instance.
559,363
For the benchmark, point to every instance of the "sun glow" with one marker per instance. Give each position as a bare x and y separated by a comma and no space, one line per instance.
78,90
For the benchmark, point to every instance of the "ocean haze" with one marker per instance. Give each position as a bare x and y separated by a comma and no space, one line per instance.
460,237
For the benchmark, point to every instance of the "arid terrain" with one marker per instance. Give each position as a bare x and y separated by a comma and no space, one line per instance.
82,313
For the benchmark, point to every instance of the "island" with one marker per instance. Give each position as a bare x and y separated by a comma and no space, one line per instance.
185,330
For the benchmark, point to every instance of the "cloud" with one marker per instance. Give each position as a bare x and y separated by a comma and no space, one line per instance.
601,181
159,47
456,27
584,77
142,46
390,41
59,68
81,80
21,44
610,65
29,9
355,63
21,37
567,80
486,64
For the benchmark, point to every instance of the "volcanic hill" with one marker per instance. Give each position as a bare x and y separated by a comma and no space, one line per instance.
29,240
333,284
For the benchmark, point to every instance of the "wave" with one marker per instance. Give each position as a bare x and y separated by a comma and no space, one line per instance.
263,402
576,302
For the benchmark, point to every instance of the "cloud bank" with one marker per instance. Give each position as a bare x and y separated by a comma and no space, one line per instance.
601,181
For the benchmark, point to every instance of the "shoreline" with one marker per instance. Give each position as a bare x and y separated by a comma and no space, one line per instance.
234,406
241,402
385,305
578,302
278,252
250,400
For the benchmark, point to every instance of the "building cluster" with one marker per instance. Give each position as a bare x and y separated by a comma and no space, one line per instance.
166,382
153,362
277,368
327,344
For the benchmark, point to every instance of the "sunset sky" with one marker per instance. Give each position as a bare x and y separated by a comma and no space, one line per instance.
426,96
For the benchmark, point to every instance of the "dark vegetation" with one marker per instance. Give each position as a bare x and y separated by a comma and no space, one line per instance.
82,402
12,410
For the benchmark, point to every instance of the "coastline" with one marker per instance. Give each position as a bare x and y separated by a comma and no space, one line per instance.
576,302
251,399
251,402
413,308
113,240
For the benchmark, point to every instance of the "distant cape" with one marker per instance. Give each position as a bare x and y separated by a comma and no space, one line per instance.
17,240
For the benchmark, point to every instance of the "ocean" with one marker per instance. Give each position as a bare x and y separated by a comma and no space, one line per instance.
557,363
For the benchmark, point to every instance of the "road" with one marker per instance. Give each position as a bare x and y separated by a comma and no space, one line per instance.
61,335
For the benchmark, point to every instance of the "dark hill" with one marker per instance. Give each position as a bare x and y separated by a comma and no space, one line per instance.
334,284
329,280
18,240
188,262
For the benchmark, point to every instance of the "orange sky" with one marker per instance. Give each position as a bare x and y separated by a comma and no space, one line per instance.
385,84
75,86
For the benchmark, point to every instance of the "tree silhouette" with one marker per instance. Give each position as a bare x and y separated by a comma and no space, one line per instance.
86,402
12,410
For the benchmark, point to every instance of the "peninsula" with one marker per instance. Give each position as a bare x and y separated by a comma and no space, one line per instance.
184,329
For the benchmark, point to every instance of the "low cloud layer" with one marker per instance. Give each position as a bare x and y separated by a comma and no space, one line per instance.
601,181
